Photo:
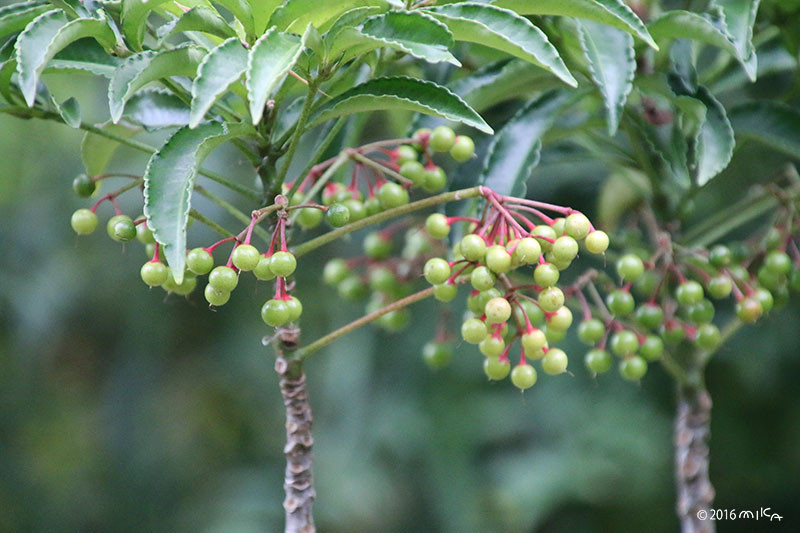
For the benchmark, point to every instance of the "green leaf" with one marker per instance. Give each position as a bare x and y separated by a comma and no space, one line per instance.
295,15
168,183
503,30
97,150
773,124
739,17
270,59
501,81
205,20
222,67
347,21
612,12
156,108
612,64
262,11
142,68
134,19
401,93
241,10
514,151
44,37
70,112
15,17
86,55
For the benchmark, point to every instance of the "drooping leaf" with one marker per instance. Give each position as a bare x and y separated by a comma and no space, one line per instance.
271,58
514,151
15,17
221,67
771,123
144,67
401,93
612,12
70,112
97,150
86,55
168,183
612,64
501,81
44,37
134,19
262,11
155,109
503,30
205,20
243,13
295,15
740,15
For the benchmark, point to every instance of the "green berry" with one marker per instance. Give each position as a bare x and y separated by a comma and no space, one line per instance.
769,279
764,297
437,226
720,256
554,335
624,343
577,226
474,330
633,368
749,310
620,302
263,271
309,217
482,279
701,312
550,299
463,149
672,332
223,278
498,259
246,257
546,275
689,293
778,263
597,242
492,345
121,228
185,288
646,285
283,264
437,354
473,247
652,348
561,320
554,362
382,279
523,376
150,251
533,341
356,208
773,238
630,268
377,247
216,297
708,337
434,179
495,369
598,361
565,248
199,261
295,308
154,273
83,221
534,313
352,288
275,312
395,321
543,232
144,235
650,315
720,287
497,310
414,171
372,205
83,185
405,153
559,225
392,195
436,271
527,251
335,271
591,331
442,139
445,292
338,215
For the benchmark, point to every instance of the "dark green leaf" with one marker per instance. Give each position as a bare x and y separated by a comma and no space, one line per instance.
295,15
221,67
15,17
270,59
401,93
612,63
204,20
86,55
740,15
134,19
503,30
156,108
241,10
262,10
70,112
773,124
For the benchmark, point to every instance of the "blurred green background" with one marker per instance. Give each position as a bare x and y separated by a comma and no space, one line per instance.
123,410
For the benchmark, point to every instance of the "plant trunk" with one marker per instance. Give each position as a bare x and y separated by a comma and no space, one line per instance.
298,482
692,432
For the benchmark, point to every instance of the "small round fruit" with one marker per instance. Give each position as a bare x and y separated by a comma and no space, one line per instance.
542,233
372,205
144,235
392,195
764,297
624,342
121,228
702,312
246,256
275,312
335,271
482,279
720,287
495,369
498,259
295,308
650,315
382,279
559,225
778,263
352,288
577,226
794,280
474,330
405,153
546,275
554,362
437,354
591,331
216,297
83,185
652,348
598,361
356,208
689,293
434,179
154,273
720,256
708,337
437,226
463,149
646,285
492,345
550,299
672,332
414,171
561,320
527,251
597,242
620,302
262,270
309,217
223,278
445,292
523,376
554,335
630,268
442,139
436,270
473,247
83,221
497,310
533,341
185,288
633,368
199,261
338,215
378,247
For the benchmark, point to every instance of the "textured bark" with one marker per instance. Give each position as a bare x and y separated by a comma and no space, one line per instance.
692,431
298,482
